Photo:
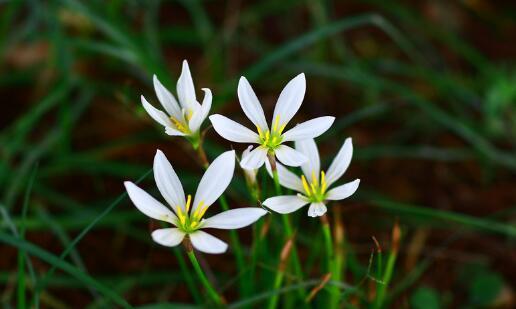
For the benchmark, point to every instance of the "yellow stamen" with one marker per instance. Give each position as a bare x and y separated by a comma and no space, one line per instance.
182,127
314,179
180,215
305,184
267,136
194,224
282,128
198,210
188,201
314,187
323,182
276,123
260,132
188,114
203,212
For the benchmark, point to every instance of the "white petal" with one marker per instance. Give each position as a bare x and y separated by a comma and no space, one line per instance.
148,205
173,132
233,131
288,156
186,89
201,114
290,100
316,210
340,163
250,104
170,237
254,159
285,204
167,181
207,243
234,218
159,116
309,129
247,151
286,178
166,99
215,180
343,191
312,167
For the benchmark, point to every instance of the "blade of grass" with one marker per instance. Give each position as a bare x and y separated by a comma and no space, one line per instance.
41,284
22,254
486,225
66,267
331,29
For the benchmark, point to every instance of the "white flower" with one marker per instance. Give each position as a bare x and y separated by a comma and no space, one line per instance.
183,118
312,188
271,140
187,217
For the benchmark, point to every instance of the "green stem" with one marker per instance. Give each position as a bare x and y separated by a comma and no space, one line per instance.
276,181
235,245
190,283
235,242
207,285
273,301
288,229
389,268
333,265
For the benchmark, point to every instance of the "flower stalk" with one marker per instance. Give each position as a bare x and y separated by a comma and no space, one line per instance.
280,274
215,297
286,225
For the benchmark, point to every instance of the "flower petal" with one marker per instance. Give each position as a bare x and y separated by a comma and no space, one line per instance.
169,237
250,104
207,243
288,156
312,167
198,117
317,210
340,163
167,181
233,131
254,159
343,191
309,129
234,218
148,205
186,89
215,180
166,99
285,204
286,178
290,100
159,116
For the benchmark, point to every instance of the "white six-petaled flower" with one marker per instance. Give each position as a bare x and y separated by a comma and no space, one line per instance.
270,140
314,184
187,217
186,117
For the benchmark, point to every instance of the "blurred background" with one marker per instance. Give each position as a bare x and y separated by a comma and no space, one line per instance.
426,89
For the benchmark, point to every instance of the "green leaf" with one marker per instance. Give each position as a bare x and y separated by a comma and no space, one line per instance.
485,287
425,298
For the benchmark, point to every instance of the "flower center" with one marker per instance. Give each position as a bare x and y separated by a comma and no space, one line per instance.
315,191
190,221
182,125
271,139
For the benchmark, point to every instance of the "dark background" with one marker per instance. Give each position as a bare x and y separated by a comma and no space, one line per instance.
427,90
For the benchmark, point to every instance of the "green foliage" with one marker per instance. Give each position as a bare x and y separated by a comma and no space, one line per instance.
72,72
425,298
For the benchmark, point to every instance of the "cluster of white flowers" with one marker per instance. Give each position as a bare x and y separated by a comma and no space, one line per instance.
184,118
